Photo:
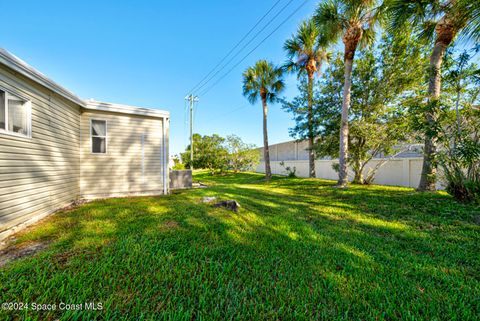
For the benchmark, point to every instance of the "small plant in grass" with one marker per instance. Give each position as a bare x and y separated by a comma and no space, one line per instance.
291,171
461,170
336,167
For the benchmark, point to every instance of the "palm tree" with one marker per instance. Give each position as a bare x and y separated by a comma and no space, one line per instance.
264,80
354,22
470,11
441,21
306,53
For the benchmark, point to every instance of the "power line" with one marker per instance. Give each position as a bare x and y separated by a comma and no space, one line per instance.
236,46
246,45
255,48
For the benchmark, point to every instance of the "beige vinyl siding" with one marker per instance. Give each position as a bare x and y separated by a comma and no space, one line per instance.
124,169
40,174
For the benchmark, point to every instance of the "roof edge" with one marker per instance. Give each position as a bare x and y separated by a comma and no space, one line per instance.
28,71
125,109
13,62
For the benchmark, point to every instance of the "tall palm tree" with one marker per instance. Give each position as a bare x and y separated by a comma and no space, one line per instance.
354,21
306,52
470,11
441,21
264,80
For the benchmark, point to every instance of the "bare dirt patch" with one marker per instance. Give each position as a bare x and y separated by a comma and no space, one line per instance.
170,225
75,205
17,252
88,254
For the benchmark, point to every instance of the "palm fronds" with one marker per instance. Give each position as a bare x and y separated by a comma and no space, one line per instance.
305,47
263,77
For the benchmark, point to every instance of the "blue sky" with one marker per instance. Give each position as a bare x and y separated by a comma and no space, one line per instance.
150,53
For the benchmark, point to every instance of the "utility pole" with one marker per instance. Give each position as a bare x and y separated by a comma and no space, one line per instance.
192,100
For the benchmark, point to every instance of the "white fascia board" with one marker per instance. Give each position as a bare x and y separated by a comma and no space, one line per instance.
126,109
20,66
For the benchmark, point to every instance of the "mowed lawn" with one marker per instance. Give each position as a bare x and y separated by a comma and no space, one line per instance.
298,249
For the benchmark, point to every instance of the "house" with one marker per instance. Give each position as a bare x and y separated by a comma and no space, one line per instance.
56,148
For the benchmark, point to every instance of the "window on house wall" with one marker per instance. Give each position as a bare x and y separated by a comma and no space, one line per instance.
2,110
15,114
99,136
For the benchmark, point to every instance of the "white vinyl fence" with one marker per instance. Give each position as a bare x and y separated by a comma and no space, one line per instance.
402,171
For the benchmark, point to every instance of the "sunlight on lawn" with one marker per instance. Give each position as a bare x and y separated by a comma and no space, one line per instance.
298,241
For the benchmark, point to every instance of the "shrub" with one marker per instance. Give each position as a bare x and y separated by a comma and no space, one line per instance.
241,156
178,166
291,171
461,167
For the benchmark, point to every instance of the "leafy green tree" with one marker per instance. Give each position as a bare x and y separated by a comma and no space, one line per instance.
298,107
264,80
216,153
354,22
438,22
462,80
306,53
384,77
459,155
458,124
241,156
185,156
209,152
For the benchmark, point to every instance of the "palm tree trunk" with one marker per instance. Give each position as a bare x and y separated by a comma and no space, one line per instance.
342,174
266,150
429,168
311,136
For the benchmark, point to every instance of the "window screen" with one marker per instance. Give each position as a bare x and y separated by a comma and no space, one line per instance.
2,109
99,136
15,115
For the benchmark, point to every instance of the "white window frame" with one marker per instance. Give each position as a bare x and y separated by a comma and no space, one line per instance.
28,106
106,136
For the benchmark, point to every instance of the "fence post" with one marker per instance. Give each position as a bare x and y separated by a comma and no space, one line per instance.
406,172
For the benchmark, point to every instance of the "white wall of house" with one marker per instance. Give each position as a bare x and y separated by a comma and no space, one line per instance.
134,162
38,174
46,159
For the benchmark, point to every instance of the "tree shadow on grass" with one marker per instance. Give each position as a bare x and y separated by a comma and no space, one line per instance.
425,237
308,257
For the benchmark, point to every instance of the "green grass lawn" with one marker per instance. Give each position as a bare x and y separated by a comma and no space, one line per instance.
298,249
